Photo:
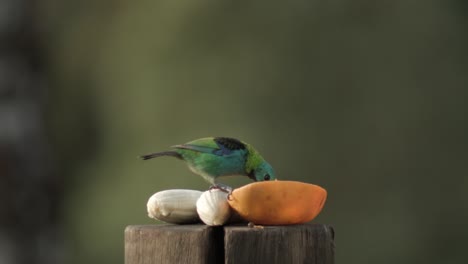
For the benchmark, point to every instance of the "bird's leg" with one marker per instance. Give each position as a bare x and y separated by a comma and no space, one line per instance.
221,187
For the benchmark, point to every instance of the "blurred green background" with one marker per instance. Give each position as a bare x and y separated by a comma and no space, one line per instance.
365,98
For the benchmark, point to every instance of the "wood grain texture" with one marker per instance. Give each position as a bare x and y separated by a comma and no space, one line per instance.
170,244
308,243
167,244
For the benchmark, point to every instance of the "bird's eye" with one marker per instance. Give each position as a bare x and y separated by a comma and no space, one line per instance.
266,177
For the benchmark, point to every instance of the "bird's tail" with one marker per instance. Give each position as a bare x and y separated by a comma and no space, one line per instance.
159,154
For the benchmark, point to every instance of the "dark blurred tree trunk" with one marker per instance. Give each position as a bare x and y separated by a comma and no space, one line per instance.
29,189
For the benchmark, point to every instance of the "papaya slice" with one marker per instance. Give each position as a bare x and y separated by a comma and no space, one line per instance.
278,202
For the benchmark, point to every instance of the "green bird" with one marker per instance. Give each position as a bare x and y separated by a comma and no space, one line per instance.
213,157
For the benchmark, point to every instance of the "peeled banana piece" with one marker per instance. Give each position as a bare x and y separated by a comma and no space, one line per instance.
213,207
177,206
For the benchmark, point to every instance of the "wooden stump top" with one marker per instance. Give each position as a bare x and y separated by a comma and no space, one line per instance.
308,243
279,244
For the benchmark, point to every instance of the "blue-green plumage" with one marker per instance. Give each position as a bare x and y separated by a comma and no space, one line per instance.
220,156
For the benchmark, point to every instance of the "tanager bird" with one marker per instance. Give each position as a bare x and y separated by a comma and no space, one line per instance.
213,157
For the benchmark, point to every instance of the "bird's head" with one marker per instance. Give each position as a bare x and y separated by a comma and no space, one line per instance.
264,172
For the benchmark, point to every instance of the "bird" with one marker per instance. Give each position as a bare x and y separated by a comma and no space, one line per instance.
214,157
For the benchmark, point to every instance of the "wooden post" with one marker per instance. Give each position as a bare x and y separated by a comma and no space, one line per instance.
308,243
167,244
149,244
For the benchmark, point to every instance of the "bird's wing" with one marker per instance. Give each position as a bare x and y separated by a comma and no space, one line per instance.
229,143
217,146
205,145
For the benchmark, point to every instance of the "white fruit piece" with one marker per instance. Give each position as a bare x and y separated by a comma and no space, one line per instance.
213,208
177,206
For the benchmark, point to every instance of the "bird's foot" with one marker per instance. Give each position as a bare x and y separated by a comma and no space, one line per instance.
221,187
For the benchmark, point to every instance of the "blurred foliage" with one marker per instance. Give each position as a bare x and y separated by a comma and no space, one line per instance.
362,97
